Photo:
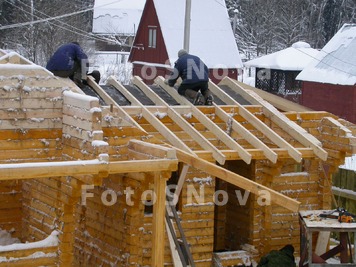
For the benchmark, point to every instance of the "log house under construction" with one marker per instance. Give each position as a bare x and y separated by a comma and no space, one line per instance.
83,166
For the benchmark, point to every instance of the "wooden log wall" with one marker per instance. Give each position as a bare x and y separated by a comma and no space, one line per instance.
29,106
49,203
112,231
197,219
30,257
109,231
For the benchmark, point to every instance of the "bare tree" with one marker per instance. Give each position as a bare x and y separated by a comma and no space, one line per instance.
40,34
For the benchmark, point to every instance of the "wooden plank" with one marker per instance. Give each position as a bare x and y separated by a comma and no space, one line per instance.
181,181
81,101
6,114
153,120
189,129
28,144
219,133
79,133
322,243
238,180
293,129
109,101
80,113
258,124
158,227
31,123
175,256
348,194
48,103
157,151
82,167
237,127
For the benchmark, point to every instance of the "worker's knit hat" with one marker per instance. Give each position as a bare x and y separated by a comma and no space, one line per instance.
182,52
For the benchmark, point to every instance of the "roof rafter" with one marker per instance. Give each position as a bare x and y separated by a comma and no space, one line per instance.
220,134
189,129
152,119
257,123
237,127
108,100
297,132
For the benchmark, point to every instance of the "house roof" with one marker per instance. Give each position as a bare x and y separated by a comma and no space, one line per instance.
211,36
120,17
294,58
336,62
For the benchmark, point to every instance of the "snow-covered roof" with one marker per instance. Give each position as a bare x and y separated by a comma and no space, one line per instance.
336,62
117,17
350,163
294,58
211,36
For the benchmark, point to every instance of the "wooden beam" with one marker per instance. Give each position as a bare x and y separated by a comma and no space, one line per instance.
258,124
109,101
152,119
157,151
247,135
177,118
181,180
174,253
293,129
348,194
238,180
257,154
83,167
219,133
158,227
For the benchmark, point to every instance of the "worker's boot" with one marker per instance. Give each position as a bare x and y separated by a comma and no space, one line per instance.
198,98
209,99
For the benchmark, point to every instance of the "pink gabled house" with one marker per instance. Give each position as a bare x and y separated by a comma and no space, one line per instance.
329,82
160,36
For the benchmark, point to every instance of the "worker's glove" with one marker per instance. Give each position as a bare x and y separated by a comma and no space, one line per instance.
166,82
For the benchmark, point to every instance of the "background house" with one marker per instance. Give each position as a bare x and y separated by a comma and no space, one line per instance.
117,22
276,72
160,37
329,82
115,25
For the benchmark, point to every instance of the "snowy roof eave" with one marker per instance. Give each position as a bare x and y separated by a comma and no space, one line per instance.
289,59
211,36
335,63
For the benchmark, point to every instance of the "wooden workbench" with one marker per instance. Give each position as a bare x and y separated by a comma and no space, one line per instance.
310,222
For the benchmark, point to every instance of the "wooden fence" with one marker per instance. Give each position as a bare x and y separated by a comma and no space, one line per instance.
344,189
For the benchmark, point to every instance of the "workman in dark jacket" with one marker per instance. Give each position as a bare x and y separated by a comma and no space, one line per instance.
195,78
69,61
278,258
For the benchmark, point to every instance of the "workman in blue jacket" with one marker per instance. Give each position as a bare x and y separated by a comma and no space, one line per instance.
195,78
69,61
